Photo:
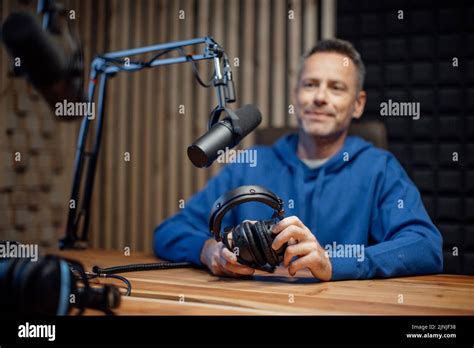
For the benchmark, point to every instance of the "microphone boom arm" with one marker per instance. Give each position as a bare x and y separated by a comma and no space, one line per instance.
110,64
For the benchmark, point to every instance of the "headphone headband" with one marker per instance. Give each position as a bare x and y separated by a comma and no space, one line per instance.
240,195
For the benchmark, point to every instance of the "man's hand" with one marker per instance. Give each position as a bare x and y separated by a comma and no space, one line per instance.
303,244
221,261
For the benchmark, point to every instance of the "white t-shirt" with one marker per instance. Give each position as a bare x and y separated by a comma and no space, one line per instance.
315,163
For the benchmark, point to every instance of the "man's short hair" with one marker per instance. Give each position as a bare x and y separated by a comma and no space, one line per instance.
339,46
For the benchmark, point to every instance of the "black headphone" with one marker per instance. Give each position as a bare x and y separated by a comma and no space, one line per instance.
251,242
48,287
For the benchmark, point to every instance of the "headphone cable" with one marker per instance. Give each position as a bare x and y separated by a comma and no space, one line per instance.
137,267
111,272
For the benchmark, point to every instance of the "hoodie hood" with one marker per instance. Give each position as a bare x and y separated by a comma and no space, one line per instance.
286,149
311,184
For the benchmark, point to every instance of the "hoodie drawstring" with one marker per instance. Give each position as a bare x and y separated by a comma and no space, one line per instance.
317,196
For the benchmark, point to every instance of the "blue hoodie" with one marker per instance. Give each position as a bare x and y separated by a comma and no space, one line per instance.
361,196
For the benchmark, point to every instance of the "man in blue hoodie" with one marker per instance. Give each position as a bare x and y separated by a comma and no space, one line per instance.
354,212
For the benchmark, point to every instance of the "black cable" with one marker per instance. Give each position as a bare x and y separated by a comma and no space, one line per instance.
142,64
123,279
189,58
141,267
118,62
111,272
148,63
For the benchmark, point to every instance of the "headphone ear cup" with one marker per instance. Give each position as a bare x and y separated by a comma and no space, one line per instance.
266,243
278,254
246,254
25,283
8,287
248,228
17,273
18,278
37,286
38,294
56,287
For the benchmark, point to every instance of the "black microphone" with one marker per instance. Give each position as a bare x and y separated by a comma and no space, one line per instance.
222,135
55,74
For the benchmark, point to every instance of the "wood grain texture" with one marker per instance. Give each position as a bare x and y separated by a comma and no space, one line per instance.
159,292
150,306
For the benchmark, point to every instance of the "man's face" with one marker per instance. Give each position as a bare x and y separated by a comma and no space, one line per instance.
327,96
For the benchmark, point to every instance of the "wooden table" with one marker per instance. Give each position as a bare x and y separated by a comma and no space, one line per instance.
196,292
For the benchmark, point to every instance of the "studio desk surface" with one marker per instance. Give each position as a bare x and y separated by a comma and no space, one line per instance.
190,291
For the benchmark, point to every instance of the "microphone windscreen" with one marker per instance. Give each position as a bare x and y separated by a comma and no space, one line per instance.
38,55
249,118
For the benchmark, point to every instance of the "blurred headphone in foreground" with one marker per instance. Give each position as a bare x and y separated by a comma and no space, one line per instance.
48,287
250,242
